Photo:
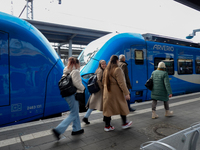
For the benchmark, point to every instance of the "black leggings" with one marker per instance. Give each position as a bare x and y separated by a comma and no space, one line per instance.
154,103
108,119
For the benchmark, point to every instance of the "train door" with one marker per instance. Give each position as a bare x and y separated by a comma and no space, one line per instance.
139,73
4,69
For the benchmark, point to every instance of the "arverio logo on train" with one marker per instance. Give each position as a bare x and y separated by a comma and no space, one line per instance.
163,47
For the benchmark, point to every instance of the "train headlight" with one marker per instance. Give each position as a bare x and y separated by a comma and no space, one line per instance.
87,76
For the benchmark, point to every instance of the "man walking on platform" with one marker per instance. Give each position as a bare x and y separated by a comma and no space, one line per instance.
124,67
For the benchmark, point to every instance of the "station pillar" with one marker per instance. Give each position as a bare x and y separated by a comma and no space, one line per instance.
70,49
59,51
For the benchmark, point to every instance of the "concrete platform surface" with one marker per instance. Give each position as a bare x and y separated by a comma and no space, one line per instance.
37,135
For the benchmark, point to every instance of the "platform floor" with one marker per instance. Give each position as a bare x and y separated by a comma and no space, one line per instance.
38,136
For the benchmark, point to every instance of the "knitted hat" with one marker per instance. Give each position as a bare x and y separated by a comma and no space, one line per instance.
161,65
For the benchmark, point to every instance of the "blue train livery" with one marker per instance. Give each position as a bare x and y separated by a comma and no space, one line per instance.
143,52
29,73
30,68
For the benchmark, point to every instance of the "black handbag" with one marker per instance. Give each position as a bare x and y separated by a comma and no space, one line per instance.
149,84
79,97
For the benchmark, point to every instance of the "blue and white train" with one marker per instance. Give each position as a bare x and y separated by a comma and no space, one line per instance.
30,68
143,53
29,73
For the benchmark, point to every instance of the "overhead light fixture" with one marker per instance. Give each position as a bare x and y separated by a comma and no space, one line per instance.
190,36
59,1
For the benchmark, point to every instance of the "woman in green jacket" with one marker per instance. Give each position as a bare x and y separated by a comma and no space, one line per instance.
161,90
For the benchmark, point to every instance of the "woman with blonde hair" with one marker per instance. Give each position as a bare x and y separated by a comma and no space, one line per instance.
72,68
161,90
95,101
115,94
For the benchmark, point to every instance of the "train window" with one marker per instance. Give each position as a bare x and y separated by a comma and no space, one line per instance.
197,66
169,63
139,57
185,66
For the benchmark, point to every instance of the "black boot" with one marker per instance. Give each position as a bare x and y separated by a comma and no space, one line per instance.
129,106
86,120
56,134
77,132
132,109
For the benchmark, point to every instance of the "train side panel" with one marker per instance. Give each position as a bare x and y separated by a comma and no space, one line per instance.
138,71
30,65
143,55
54,103
173,54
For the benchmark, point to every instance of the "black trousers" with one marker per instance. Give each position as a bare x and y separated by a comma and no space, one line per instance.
108,119
128,102
154,103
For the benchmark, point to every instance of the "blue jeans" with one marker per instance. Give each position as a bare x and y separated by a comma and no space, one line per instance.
88,113
73,116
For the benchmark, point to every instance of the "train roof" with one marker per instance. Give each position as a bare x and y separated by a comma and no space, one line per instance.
169,40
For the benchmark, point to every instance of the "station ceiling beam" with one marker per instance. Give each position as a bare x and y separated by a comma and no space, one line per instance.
57,33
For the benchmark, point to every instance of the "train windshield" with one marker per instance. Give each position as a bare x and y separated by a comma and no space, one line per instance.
87,54
92,48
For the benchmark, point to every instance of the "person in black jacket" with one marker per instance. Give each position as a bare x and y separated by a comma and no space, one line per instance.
124,67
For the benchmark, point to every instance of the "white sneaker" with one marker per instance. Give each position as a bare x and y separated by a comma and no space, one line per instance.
110,128
127,125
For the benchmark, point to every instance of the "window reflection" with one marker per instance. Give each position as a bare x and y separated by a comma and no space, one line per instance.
185,66
197,66
169,63
139,57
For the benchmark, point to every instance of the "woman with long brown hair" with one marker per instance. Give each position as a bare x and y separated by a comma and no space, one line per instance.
115,94
72,68
95,101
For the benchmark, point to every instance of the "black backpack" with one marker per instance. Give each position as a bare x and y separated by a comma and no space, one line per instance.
66,86
92,85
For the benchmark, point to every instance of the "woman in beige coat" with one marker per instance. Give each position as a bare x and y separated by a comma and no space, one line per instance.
115,94
96,99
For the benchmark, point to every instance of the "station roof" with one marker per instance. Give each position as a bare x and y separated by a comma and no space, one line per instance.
57,33
195,4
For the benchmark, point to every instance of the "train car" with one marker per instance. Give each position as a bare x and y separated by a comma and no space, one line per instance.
29,73
143,53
